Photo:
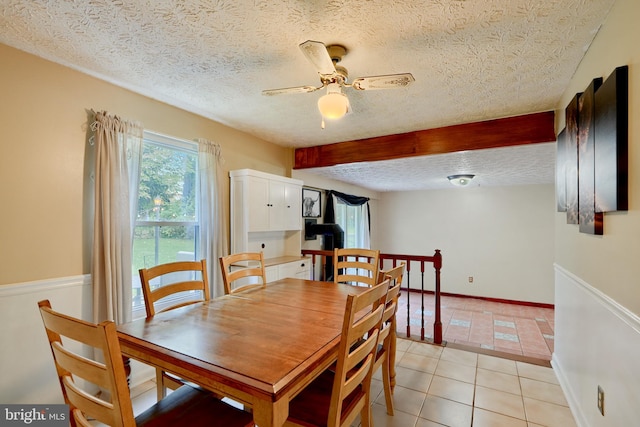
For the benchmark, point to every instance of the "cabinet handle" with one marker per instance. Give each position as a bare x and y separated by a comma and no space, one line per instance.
302,265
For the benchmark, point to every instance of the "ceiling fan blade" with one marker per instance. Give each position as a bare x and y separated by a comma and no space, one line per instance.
382,82
316,53
289,90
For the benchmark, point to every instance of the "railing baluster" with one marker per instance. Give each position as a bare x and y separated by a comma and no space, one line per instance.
422,294
313,266
408,267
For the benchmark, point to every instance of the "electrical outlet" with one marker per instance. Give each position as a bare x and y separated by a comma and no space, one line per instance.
601,400
470,279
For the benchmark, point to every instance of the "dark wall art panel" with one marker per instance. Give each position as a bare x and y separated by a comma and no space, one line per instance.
571,135
561,171
590,221
611,142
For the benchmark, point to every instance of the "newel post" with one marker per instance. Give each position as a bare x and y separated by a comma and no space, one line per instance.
437,324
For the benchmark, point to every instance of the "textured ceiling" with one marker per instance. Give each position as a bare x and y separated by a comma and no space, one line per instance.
522,165
472,60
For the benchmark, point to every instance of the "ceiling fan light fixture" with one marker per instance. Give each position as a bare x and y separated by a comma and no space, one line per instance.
460,180
334,104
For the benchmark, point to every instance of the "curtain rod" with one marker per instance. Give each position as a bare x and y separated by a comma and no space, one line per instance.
314,188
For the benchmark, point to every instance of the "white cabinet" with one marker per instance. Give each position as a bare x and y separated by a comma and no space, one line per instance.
266,213
274,205
272,273
300,269
271,202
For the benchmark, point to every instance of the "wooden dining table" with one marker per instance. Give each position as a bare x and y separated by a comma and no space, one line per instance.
259,347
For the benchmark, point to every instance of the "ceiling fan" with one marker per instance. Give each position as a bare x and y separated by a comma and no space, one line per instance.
325,59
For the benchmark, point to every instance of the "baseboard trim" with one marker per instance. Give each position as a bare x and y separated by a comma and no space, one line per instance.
500,300
485,351
501,354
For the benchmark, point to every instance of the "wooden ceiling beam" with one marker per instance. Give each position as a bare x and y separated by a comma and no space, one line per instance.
528,129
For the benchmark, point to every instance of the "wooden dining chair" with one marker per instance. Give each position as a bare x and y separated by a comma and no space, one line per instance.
188,406
243,271
338,395
356,266
385,356
175,278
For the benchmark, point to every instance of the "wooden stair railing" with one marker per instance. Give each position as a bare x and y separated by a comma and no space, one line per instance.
395,259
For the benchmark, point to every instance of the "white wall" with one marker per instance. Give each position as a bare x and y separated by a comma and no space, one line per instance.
502,236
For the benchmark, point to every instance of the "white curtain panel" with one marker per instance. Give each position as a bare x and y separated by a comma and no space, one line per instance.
213,229
118,151
364,235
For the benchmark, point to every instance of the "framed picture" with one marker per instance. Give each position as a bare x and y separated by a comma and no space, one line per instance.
611,134
311,203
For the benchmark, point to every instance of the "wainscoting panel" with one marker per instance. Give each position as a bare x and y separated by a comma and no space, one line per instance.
597,343
26,364
28,374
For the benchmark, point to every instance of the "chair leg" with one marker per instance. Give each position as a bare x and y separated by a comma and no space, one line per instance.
386,384
392,355
160,388
365,414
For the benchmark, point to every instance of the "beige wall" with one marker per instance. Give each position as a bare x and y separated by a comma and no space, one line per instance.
43,150
610,262
502,236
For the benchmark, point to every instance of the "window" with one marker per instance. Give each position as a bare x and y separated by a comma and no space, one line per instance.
166,224
354,222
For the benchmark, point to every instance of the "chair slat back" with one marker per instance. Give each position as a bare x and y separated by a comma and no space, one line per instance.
356,266
239,266
356,354
198,282
394,276
389,312
108,373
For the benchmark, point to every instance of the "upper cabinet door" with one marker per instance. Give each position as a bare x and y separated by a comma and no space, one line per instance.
293,207
277,205
258,204
284,206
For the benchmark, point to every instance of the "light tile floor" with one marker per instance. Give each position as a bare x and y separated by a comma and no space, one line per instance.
510,328
443,386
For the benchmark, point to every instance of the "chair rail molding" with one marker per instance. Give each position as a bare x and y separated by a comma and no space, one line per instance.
624,314
44,285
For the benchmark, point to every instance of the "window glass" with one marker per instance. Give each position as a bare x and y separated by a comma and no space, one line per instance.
350,219
166,227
